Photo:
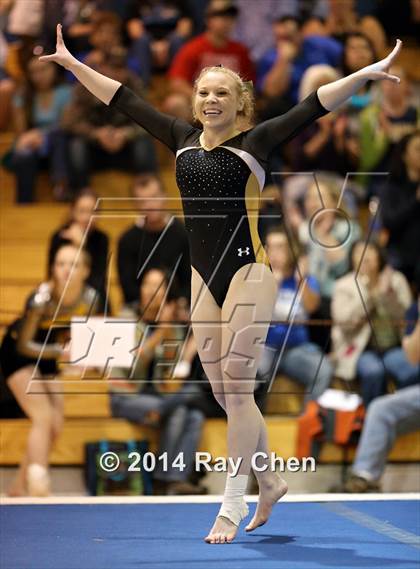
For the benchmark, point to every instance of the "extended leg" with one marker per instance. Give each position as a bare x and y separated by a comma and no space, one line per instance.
387,417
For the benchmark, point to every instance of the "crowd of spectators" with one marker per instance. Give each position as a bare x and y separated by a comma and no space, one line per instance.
352,240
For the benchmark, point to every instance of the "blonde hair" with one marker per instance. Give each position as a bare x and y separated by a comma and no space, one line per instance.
244,89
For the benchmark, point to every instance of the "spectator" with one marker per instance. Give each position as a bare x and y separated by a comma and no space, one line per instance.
152,399
342,18
38,109
367,308
288,349
388,417
358,52
105,37
157,29
382,126
157,238
253,25
400,206
213,47
31,350
80,18
402,23
324,144
178,105
411,341
81,231
102,137
327,232
24,23
281,68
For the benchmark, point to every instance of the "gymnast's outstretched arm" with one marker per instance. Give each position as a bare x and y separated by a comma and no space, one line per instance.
269,134
166,128
101,86
334,94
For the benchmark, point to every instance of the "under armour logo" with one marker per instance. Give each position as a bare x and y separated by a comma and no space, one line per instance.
243,251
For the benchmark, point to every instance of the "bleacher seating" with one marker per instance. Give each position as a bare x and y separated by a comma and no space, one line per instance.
24,234
88,418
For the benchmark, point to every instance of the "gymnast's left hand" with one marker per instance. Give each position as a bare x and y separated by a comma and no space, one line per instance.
379,70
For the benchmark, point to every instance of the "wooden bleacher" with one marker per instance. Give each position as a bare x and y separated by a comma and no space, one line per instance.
24,234
88,418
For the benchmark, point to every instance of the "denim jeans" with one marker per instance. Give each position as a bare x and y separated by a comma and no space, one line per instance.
388,416
372,370
26,164
180,429
140,59
137,156
305,364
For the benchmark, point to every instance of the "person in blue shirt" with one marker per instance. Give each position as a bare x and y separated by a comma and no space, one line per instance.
288,349
37,112
281,68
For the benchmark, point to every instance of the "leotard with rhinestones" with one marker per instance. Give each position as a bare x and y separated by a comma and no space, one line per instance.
220,188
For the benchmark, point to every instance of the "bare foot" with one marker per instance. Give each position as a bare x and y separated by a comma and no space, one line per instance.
223,530
270,493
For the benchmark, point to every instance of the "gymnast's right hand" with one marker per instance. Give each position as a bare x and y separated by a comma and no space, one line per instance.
62,56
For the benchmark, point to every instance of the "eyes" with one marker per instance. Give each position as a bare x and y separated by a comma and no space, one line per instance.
219,93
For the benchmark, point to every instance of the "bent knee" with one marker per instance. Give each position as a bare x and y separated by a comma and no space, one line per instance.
238,400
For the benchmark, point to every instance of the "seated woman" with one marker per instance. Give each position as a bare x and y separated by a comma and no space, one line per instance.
288,349
326,230
31,349
368,307
150,393
80,230
37,113
389,416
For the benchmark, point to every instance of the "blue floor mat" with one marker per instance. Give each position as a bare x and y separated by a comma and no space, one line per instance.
130,536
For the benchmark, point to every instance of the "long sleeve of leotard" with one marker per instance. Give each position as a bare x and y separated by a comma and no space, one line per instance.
269,134
168,129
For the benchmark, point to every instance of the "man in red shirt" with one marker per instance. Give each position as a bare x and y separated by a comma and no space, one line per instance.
213,47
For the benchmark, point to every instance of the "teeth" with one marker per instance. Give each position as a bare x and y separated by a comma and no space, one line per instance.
212,112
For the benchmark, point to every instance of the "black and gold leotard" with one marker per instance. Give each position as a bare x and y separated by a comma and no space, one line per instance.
220,188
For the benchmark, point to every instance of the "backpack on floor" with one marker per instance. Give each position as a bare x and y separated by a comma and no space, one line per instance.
121,481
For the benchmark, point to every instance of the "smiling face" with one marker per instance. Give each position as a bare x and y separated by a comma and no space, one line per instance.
216,100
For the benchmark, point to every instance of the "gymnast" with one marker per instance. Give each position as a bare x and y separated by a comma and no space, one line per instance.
220,174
